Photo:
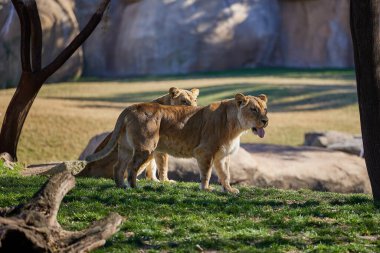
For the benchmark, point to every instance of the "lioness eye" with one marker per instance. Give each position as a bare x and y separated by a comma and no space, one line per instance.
254,110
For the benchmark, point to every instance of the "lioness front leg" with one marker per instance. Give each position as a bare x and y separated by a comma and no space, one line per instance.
222,167
162,161
204,164
151,171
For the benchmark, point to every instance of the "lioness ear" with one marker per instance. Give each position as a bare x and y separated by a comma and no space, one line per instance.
263,97
174,92
241,100
195,91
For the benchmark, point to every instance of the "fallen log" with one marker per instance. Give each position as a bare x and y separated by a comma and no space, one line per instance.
33,227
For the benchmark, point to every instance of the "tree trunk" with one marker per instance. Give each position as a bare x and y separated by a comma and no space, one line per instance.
33,227
365,30
33,75
17,111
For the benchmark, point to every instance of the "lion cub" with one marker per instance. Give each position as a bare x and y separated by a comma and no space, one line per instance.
210,134
175,96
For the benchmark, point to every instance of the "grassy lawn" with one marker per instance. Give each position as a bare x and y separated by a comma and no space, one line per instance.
66,115
178,217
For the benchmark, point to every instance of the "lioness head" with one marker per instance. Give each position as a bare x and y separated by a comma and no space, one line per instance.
183,97
252,112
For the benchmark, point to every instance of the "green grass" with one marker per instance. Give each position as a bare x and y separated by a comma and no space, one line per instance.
177,217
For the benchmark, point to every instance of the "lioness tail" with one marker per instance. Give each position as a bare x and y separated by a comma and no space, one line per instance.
112,143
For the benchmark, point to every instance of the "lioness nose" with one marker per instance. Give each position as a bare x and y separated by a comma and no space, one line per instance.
265,121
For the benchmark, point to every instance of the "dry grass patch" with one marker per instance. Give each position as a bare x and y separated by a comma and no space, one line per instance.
66,115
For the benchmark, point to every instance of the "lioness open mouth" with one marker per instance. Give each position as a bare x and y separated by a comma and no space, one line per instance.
258,131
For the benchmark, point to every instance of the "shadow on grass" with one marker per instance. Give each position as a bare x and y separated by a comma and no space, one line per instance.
320,73
281,97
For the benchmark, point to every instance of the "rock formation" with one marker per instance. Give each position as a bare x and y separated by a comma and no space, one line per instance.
171,37
59,26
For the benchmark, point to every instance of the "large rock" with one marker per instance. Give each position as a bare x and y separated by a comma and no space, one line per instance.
59,27
334,140
166,36
308,167
268,166
313,34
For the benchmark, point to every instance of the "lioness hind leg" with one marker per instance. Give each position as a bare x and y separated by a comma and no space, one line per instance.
222,167
118,173
119,169
139,158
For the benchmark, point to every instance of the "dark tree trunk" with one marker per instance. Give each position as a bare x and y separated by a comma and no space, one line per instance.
33,75
17,111
365,30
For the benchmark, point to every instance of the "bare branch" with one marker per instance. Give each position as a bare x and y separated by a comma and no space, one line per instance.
77,42
22,13
94,236
36,38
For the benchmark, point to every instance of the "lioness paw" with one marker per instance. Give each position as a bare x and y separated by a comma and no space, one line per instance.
231,190
209,188
122,186
234,190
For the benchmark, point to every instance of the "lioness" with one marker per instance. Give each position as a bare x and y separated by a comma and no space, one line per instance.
210,134
175,96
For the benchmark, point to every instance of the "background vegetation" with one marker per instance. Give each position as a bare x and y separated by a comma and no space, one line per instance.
66,115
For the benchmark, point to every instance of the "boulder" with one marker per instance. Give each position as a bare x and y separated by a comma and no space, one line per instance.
334,140
313,34
92,144
165,36
267,166
59,27
308,167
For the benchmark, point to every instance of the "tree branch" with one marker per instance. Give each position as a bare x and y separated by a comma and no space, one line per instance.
22,13
94,236
77,42
36,37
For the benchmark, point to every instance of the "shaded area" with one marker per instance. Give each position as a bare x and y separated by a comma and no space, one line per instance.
320,73
281,97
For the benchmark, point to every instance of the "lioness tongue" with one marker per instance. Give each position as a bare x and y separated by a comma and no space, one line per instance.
260,132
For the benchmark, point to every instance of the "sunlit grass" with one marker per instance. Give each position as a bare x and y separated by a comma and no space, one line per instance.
66,115
178,217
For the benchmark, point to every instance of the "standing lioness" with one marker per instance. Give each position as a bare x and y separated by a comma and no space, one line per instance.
175,96
210,134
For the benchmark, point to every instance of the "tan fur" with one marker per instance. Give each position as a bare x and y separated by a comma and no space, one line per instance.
210,134
175,96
